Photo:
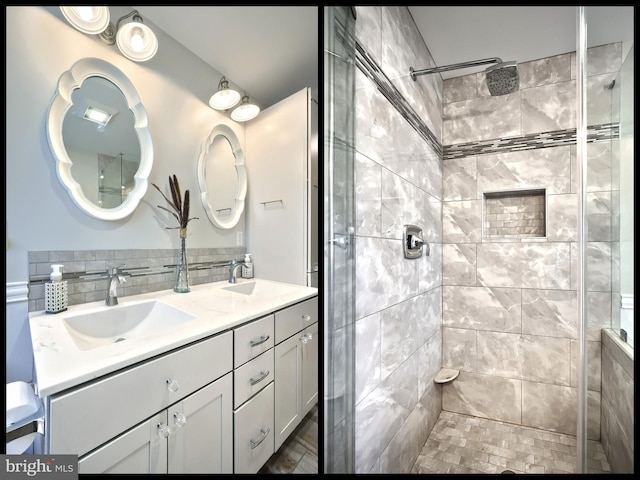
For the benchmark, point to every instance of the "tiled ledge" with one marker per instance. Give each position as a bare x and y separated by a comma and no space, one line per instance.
621,351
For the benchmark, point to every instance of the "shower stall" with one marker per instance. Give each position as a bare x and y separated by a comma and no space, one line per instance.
535,317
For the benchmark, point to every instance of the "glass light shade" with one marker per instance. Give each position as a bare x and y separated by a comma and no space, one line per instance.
137,42
245,112
91,20
224,99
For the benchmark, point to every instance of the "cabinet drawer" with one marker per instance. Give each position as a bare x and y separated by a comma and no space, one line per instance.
83,418
253,432
252,339
251,377
295,318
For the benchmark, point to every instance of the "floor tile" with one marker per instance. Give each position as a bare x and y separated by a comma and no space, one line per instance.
465,444
299,453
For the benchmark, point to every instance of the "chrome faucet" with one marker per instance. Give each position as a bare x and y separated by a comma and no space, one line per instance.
113,278
233,266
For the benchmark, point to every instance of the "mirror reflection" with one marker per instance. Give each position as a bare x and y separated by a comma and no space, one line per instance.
222,177
99,137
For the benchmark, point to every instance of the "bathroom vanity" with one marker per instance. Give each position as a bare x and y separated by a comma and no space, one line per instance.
216,391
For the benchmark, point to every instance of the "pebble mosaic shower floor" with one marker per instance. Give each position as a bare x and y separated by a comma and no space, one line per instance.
464,444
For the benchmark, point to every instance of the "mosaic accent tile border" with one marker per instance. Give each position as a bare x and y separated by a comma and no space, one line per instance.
595,133
370,68
145,271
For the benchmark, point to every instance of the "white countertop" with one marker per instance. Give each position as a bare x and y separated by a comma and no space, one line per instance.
60,364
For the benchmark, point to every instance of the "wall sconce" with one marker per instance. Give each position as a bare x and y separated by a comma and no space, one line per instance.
225,97
135,40
245,111
91,20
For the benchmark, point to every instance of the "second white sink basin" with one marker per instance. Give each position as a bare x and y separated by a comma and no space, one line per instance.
245,288
259,288
108,325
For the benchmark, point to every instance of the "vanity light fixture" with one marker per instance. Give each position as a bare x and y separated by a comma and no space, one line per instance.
225,97
91,20
246,111
135,40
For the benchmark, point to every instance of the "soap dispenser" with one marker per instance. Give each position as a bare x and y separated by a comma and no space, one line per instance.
56,295
247,268
56,273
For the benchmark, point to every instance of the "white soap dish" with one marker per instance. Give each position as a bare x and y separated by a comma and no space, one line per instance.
446,375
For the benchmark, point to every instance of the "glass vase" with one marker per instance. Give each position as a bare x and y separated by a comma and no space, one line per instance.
182,274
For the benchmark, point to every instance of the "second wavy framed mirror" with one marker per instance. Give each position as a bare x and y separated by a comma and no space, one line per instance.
222,177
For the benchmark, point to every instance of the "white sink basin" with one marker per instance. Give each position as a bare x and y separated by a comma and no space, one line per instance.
244,288
259,288
108,325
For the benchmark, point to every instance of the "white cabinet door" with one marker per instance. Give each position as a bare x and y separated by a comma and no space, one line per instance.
192,436
309,368
201,430
141,450
288,380
277,160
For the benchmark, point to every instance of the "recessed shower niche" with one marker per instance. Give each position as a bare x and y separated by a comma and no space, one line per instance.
514,214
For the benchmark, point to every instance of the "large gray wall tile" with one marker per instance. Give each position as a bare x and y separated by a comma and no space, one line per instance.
459,264
524,265
550,312
481,118
547,168
484,396
482,308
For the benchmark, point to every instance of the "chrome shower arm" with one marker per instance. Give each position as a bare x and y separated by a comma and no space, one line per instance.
455,66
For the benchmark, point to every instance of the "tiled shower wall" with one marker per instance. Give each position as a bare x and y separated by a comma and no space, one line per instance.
510,320
398,180
145,270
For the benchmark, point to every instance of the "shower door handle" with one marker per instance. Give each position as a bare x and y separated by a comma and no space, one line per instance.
344,240
341,241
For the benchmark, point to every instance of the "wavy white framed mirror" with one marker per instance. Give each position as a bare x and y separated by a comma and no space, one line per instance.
98,131
222,177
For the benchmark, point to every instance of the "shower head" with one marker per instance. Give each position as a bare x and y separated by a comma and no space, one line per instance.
502,78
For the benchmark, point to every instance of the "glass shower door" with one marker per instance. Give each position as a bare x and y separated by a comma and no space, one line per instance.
339,266
605,182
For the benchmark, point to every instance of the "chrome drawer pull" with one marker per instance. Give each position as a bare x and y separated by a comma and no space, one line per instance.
258,379
263,435
263,339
